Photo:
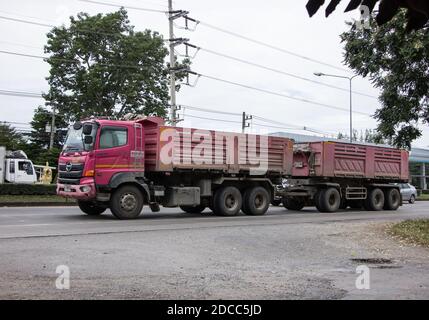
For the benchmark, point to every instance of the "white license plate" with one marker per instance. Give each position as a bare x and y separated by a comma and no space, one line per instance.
67,188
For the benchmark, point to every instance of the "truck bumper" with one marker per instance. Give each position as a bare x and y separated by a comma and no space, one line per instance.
80,192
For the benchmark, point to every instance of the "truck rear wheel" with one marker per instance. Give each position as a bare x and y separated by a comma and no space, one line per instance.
256,201
126,202
392,199
328,200
90,208
227,201
293,204
375,200
193,209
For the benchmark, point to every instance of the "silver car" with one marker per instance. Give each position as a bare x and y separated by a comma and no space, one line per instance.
408,192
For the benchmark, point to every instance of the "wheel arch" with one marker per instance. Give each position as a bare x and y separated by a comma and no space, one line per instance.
131,178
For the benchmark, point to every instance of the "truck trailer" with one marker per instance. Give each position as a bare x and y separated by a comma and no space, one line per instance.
124,165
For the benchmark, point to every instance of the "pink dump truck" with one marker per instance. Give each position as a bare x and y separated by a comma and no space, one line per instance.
124,165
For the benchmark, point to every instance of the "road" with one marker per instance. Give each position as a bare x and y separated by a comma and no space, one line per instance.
172,255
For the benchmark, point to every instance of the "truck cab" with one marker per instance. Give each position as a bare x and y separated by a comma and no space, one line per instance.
15,167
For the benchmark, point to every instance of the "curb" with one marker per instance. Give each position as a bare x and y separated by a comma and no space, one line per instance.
37,204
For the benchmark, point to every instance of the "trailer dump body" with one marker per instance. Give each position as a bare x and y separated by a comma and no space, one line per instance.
170,149
338,159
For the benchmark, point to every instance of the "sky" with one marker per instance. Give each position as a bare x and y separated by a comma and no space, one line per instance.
281,23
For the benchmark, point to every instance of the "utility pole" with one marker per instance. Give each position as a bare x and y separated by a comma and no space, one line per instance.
244,121
51,141
172,65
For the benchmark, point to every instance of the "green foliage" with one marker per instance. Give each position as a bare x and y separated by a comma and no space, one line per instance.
9,138
39,136
397,62
48,155
29,189
100,66
368,136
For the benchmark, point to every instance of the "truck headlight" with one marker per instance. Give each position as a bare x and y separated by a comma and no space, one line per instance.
85,188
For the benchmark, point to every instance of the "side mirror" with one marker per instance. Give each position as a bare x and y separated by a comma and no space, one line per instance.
88,140
87,129
77,125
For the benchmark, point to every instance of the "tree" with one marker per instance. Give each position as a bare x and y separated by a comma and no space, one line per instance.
397,62
100,66
417,10
10,138
39,136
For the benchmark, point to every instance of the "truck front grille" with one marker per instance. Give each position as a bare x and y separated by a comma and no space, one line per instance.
70,173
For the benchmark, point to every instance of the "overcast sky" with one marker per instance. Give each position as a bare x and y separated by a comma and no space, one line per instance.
281,23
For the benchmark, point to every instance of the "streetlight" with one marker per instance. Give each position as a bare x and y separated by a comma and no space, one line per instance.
320,74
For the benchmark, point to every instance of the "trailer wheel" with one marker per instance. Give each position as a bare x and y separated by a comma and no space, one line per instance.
227,201
392,199
293,204
126,202
256,201
375,200
329,200
193,209
90,208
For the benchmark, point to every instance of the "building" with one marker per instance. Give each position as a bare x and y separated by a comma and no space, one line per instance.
419,157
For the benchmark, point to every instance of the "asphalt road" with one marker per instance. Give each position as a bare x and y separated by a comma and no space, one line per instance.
282,255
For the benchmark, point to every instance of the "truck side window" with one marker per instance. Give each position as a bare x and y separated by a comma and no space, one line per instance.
12,167
112,137
25,166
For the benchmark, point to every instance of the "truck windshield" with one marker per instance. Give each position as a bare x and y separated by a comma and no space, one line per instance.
75,140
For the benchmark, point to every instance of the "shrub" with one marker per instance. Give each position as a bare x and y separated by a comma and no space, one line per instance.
27,189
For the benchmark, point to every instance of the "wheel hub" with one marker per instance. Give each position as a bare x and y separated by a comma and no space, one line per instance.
128,201
230,201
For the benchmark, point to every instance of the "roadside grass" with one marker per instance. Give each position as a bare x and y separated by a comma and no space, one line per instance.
423,197
33,198
412,231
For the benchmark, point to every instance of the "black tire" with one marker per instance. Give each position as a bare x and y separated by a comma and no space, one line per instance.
412,199
374,200
329,200
392,199
317,202
90,208
256,201
126,202
293,204
276,202
193,209
227,201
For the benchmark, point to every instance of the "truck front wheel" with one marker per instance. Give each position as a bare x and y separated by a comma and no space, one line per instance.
90,208
256,201
193,209
126,202
227,201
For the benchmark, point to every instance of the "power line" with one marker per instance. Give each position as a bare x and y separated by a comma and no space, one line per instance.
282,50
269,45
122,6
20,94
280,71
277,93
283,125
69,60
212,119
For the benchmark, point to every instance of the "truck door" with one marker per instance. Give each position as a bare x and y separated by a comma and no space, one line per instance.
10,173
112,154
25,172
